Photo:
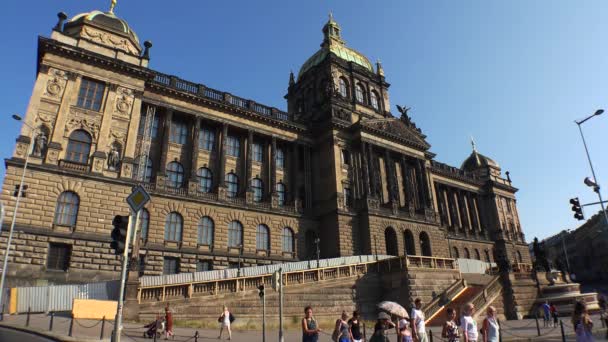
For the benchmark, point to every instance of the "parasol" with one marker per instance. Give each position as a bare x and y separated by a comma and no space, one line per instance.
394,309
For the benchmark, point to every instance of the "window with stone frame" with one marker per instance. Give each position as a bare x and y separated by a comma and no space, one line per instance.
280,157
79,147
147,175
345,157
477,255
170,265
179,131
374,100
287,240
206,229
66,212
173,227
282,193
142,265
343,87
262,240
58,257
235,234
204,265
206,139
232,185
90,95
233,146
360,93
145,223
258,189
258,152
205,179
348,197
175,175
487,255
153,130
467,254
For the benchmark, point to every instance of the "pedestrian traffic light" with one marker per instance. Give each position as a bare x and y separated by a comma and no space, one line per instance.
261,290
276,280
576,207
119,234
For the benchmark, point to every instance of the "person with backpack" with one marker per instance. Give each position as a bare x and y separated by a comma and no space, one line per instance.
226,319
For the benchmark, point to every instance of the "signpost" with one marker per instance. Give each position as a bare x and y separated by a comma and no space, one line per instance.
136,200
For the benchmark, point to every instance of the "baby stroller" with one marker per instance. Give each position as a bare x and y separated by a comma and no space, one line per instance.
155,328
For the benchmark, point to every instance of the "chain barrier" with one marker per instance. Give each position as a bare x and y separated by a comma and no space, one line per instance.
502,323
87,327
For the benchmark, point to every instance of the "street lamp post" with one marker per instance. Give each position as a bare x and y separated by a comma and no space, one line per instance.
10,232
317,242
579,123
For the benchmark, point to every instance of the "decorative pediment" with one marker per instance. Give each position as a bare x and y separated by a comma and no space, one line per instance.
399,129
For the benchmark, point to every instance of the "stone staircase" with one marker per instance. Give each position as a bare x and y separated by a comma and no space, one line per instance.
525,293
456,303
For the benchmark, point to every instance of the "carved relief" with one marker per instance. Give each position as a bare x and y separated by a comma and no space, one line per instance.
52,156
118,136
124,101
20,150
109,40
78,120
56,83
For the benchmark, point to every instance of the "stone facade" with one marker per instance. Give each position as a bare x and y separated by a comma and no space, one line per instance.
337,165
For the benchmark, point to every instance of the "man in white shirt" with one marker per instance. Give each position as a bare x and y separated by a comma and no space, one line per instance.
418,326
468,324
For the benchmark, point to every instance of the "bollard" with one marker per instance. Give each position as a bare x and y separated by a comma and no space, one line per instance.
561,327
103,327
71,326
537,326
2,313
430,336
27,319
196,336
51,321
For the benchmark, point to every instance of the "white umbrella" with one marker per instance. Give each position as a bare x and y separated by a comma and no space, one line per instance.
394,309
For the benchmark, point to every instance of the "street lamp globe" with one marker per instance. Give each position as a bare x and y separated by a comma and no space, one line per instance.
598,112
17,117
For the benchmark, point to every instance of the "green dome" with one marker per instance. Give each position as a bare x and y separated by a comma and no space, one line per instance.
107,20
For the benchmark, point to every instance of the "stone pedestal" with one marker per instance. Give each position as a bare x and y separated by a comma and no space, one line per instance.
131,304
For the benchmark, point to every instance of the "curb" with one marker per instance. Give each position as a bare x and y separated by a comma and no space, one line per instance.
50,335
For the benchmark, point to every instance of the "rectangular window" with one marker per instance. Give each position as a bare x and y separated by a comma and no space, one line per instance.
204,265
280,158
59,256
90,94
345,157
206,139
171,265
179,132
233,146
142,265
153,130
347,197
258,152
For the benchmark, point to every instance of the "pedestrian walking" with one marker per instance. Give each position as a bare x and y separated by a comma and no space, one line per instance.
310,329
417,321
382,326
225,320
554,314
546,314
468,324
603,308
403,330
450,328
168,323
491,327
354,328
341,329
582,323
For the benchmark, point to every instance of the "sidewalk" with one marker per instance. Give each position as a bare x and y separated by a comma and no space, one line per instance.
90,330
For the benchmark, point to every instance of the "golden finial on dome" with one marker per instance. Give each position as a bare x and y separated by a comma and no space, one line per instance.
112,5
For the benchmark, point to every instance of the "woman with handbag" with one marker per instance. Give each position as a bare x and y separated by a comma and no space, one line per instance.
225,321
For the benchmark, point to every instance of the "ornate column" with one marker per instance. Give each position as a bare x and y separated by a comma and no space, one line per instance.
193,183
165,146
274,200
248,166
422,186
457,217
374,178
221,164
478,217
128,155
365,170
391,179
471,211
448,210
297,198
465,211
70,96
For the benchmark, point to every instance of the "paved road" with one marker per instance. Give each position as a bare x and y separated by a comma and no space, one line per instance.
15,335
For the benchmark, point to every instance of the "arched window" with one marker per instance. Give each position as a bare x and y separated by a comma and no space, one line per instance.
288,241
175,175
79,147
410,245
467,254
262,238
519,257
173,227
235,234
360,93
258,189
425,244
147,174
455,253
281,193
205,179
233,146
477,255
66,211
232,182
145,223
487,255
205,231
390,239
374,100
343,88
280,158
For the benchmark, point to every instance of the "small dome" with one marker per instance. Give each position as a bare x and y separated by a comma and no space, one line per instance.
477,160
104,20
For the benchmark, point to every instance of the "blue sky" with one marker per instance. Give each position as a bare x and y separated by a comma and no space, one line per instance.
513,74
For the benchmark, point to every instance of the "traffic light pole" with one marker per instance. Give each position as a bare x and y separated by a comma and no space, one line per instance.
578,123
264,318
123,278
281,338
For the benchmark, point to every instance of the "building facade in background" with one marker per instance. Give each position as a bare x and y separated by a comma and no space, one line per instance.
234,181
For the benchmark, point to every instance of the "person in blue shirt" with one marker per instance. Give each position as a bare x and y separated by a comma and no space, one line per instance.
546,314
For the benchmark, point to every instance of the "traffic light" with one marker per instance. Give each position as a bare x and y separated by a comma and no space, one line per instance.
261,290
119,234
576,207
276,280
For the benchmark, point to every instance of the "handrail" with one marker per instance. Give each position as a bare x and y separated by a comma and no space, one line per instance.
436,304
482,299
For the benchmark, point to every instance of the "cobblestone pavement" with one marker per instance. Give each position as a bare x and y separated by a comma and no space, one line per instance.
90,330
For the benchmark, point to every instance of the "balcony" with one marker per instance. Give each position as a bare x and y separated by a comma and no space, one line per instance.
72,166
